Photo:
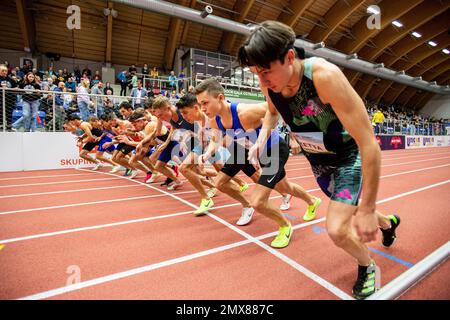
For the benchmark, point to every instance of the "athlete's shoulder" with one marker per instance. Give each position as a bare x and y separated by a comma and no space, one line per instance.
324,70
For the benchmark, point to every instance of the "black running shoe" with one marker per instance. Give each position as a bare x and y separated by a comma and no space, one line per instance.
167,182
366,283
389,234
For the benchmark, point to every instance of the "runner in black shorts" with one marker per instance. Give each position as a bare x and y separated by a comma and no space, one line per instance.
243,122
90,138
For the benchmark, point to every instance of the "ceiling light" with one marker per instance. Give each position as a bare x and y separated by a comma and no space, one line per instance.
445,51
432,43
397,23
416,34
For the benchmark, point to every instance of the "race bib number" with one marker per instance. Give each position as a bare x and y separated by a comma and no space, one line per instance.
311,142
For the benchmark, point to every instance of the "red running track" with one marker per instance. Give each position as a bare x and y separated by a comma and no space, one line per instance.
121,239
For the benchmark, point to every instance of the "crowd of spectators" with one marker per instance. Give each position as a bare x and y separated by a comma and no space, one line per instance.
79,91
85,93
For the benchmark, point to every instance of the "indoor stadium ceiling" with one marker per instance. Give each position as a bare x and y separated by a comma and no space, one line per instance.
138,36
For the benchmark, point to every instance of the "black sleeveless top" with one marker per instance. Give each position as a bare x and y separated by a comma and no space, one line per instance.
317,128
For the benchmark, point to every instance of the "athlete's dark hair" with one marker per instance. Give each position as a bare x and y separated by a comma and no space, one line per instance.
210,85
189,100
125,105
268,42
136,115
72,117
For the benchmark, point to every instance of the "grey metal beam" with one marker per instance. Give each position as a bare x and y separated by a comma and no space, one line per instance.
311,49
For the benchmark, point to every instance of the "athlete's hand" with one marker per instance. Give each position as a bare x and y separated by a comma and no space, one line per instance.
366,224
253,154
201,162
139,147
294,145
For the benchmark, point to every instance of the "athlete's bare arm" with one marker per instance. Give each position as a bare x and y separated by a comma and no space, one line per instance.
333,88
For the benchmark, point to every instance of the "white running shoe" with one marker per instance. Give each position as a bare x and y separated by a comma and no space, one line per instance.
115,169
97,166
174,185
153,178
134,174
246,216
286,204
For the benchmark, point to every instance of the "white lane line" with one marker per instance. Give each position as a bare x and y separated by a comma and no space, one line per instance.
66,191
48,176
183,192
58,182
128,273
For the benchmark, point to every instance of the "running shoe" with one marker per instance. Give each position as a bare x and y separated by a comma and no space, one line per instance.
127,172
310,213
115,169
175,185
283,237
97,166
366,283
167,182
243,188
212,192
134,174
246,216
153,177
286,203
389,234
205,205
147,177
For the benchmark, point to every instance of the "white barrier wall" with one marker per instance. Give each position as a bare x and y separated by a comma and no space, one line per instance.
414,142
58,150
39,150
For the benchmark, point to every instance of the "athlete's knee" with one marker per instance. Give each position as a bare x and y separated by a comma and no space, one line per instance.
258,203
339,234
184,168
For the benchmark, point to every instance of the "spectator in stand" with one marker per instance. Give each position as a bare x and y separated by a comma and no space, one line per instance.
191,89
19,73
60,76
51,86
377,120
8,66
97,89
134,80
83,100
66,74
181,77
71,85
59,107
88,72
50,71
122,77
10,98
108,87
154,75
97,76
138,96
172,81
145,69
77,74
109,102
30,97
132,69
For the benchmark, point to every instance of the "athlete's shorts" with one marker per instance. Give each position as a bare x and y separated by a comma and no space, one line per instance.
272,163
172,149
89,146
343,182
238,161
106,139
150,151
125,148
